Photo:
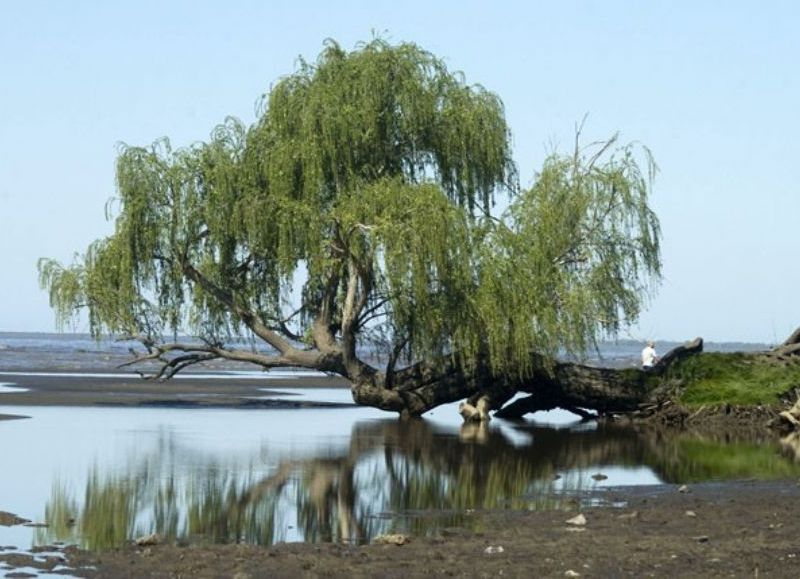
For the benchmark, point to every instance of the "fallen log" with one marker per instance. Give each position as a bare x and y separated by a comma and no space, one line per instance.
581,388
790,347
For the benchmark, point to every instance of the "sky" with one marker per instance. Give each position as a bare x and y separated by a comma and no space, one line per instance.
712,88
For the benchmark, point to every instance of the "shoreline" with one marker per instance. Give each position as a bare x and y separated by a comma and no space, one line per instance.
739,528
212,390
704,530
12,416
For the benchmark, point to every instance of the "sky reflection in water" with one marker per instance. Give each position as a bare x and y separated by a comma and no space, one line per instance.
103,476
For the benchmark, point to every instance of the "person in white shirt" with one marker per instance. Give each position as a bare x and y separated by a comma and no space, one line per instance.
649,356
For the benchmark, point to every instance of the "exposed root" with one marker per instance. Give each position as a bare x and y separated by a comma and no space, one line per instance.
477,413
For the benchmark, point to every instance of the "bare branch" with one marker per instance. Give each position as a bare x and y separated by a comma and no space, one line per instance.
227,298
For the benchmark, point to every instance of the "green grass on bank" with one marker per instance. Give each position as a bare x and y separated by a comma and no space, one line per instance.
736,378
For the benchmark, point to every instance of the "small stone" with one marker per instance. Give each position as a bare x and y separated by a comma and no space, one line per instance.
683,489
628,516
701,538
599,476
491,549
775,525
578,520
395,539
148,540
690,514
571,573
575,529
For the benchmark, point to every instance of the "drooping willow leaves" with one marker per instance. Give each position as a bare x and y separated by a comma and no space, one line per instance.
370,177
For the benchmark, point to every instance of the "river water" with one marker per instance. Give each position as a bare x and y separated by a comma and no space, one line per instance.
101,476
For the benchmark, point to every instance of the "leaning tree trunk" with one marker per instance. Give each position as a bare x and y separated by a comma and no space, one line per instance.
579,388
575,387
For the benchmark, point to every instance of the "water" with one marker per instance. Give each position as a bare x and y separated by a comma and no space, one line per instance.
102,476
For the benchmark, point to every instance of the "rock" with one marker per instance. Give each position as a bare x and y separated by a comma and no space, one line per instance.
395,539
683,489
628,516
571,573
148,540
701,538
491,549
690,514
579,520
599,476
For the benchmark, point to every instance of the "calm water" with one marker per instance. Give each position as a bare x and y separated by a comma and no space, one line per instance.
102,476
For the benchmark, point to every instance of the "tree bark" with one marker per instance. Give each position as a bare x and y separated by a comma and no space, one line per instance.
578,388
790,347
571,386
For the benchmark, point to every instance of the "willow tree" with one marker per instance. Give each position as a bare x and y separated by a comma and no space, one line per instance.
372,178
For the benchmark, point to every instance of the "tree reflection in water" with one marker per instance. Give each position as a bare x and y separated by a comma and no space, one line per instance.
393,477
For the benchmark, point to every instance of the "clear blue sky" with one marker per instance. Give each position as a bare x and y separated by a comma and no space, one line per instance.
711,87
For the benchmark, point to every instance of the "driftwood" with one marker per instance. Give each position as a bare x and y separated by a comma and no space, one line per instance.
790,418
790,347
793,339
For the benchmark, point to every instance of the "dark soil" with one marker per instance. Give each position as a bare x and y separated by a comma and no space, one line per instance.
207,392
745,529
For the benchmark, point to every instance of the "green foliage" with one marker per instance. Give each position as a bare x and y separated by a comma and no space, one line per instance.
372,174
719,378
574,255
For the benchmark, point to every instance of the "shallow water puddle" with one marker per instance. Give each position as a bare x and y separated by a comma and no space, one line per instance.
102,476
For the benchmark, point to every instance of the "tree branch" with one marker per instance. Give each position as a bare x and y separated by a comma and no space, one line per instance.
196,353
227,298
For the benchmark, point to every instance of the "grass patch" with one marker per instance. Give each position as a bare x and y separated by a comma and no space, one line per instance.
743,379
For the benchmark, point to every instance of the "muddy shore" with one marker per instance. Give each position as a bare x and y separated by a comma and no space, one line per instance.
745,529
739,529
99,389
